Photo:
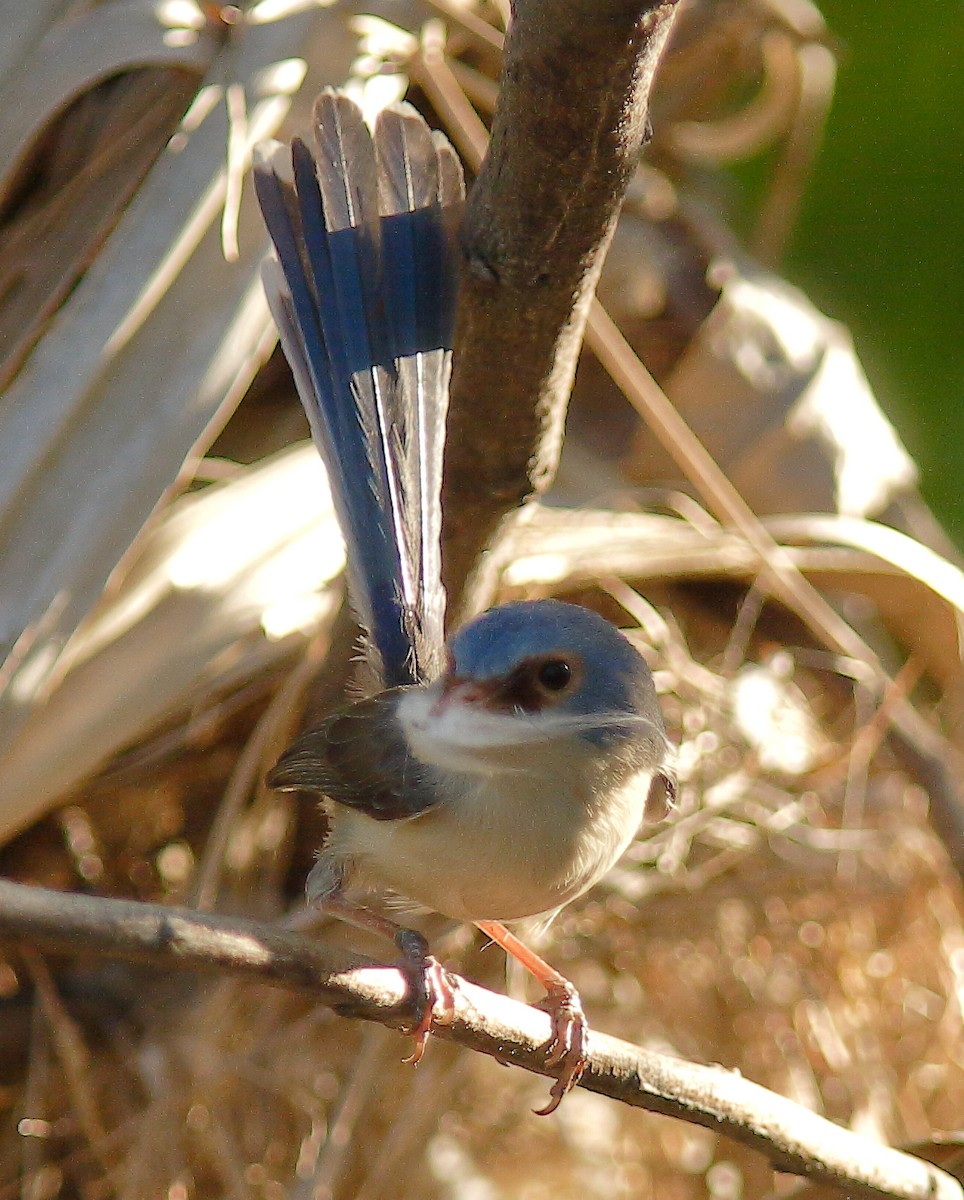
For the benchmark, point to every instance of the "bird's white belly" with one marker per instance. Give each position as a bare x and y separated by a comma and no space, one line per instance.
501,851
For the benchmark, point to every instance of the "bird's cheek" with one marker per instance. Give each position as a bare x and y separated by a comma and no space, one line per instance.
454,694
459,738
434,726
416,709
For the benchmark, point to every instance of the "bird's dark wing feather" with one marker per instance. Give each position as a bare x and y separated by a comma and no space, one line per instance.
358,757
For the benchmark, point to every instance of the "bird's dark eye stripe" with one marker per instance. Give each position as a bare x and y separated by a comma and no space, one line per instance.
535,684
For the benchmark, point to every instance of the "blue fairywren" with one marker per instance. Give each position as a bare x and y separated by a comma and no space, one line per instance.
499,777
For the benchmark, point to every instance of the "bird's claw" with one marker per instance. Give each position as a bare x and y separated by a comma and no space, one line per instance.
567,1049
435,996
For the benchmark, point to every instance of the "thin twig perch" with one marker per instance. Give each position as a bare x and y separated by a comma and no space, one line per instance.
793,1138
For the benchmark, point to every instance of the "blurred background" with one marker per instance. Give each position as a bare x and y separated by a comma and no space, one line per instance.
170,589
880,243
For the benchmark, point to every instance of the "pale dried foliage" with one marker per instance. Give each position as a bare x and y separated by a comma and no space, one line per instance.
795,918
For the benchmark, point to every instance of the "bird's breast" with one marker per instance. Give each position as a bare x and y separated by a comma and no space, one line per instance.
503,846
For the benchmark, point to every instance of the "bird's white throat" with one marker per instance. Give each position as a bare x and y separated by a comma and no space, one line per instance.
458,736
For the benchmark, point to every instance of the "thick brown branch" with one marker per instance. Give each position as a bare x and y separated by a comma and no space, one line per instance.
792,1138
571,120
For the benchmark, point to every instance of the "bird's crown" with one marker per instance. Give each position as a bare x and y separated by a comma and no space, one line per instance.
548,655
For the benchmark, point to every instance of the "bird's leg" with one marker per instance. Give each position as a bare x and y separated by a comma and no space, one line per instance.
430,983
567,1050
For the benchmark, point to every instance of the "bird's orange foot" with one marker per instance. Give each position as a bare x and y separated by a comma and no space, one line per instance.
433,991
567,1050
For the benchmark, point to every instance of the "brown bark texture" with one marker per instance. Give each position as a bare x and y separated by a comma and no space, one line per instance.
572,118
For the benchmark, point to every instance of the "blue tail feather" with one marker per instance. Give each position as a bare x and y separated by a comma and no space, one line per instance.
364,302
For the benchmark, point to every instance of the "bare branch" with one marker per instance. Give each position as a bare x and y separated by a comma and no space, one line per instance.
571,120
793,1138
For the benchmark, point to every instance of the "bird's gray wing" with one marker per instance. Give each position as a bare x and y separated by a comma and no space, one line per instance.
358,757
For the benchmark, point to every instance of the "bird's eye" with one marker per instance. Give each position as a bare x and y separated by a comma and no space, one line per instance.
554,675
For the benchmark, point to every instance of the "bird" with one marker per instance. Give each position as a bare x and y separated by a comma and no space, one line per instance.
496,776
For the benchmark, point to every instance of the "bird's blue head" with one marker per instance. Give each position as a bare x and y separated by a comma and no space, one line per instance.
557,660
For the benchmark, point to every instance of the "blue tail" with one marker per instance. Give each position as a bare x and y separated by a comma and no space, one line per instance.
363,293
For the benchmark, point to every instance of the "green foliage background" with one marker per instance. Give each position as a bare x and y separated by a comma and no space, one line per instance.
881,241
